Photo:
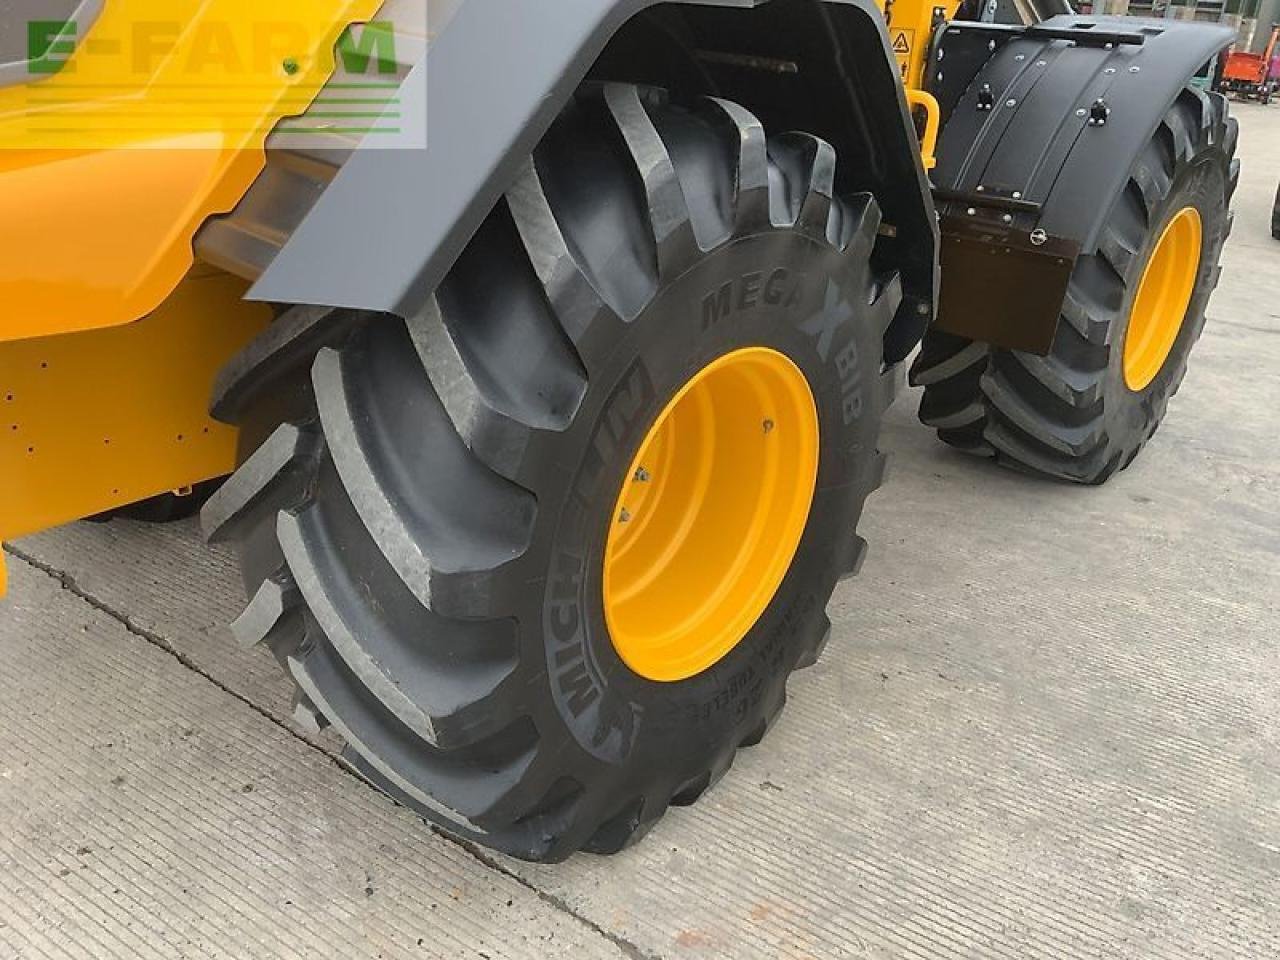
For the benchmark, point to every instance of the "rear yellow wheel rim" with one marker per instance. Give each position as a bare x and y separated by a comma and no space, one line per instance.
711,514
1164,295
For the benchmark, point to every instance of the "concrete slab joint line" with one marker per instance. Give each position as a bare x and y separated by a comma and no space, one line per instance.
68,583
628,949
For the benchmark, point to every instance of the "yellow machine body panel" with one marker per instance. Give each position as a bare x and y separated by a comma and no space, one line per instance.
97,419
152,122
911,25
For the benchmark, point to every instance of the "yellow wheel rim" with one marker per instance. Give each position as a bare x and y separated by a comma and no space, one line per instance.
1164,294
710,514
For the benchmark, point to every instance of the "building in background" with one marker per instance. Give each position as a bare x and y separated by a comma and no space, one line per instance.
1251,18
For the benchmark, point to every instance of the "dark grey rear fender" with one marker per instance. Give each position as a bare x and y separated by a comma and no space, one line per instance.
392,223
1037,140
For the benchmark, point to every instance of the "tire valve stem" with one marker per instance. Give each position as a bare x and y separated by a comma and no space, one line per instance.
642,475
768,426
624,516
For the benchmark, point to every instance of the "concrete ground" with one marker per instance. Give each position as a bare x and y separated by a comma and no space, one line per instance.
1046,726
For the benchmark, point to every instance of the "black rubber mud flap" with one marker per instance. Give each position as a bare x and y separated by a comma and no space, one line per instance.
423,538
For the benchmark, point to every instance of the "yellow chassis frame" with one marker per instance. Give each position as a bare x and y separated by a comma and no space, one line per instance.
911,25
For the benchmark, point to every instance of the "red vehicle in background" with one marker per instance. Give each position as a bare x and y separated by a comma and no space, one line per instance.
1251,75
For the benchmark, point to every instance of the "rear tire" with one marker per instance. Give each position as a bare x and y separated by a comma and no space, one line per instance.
1071,415
422,530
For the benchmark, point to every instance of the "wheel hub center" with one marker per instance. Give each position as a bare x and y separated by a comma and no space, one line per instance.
1164,296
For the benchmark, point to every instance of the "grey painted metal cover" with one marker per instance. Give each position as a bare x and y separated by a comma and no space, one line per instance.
477,117
393,221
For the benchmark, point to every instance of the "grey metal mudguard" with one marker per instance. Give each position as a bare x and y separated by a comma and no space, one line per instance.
392,223
1036,138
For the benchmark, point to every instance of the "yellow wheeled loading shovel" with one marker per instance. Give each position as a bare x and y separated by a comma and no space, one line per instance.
548,432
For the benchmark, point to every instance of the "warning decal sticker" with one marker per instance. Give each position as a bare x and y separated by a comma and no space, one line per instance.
904,42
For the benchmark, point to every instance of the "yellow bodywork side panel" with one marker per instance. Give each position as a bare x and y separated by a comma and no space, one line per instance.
157,120
94,420
911,26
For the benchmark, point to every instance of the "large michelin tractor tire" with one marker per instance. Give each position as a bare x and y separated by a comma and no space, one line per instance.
1133,311
546,554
